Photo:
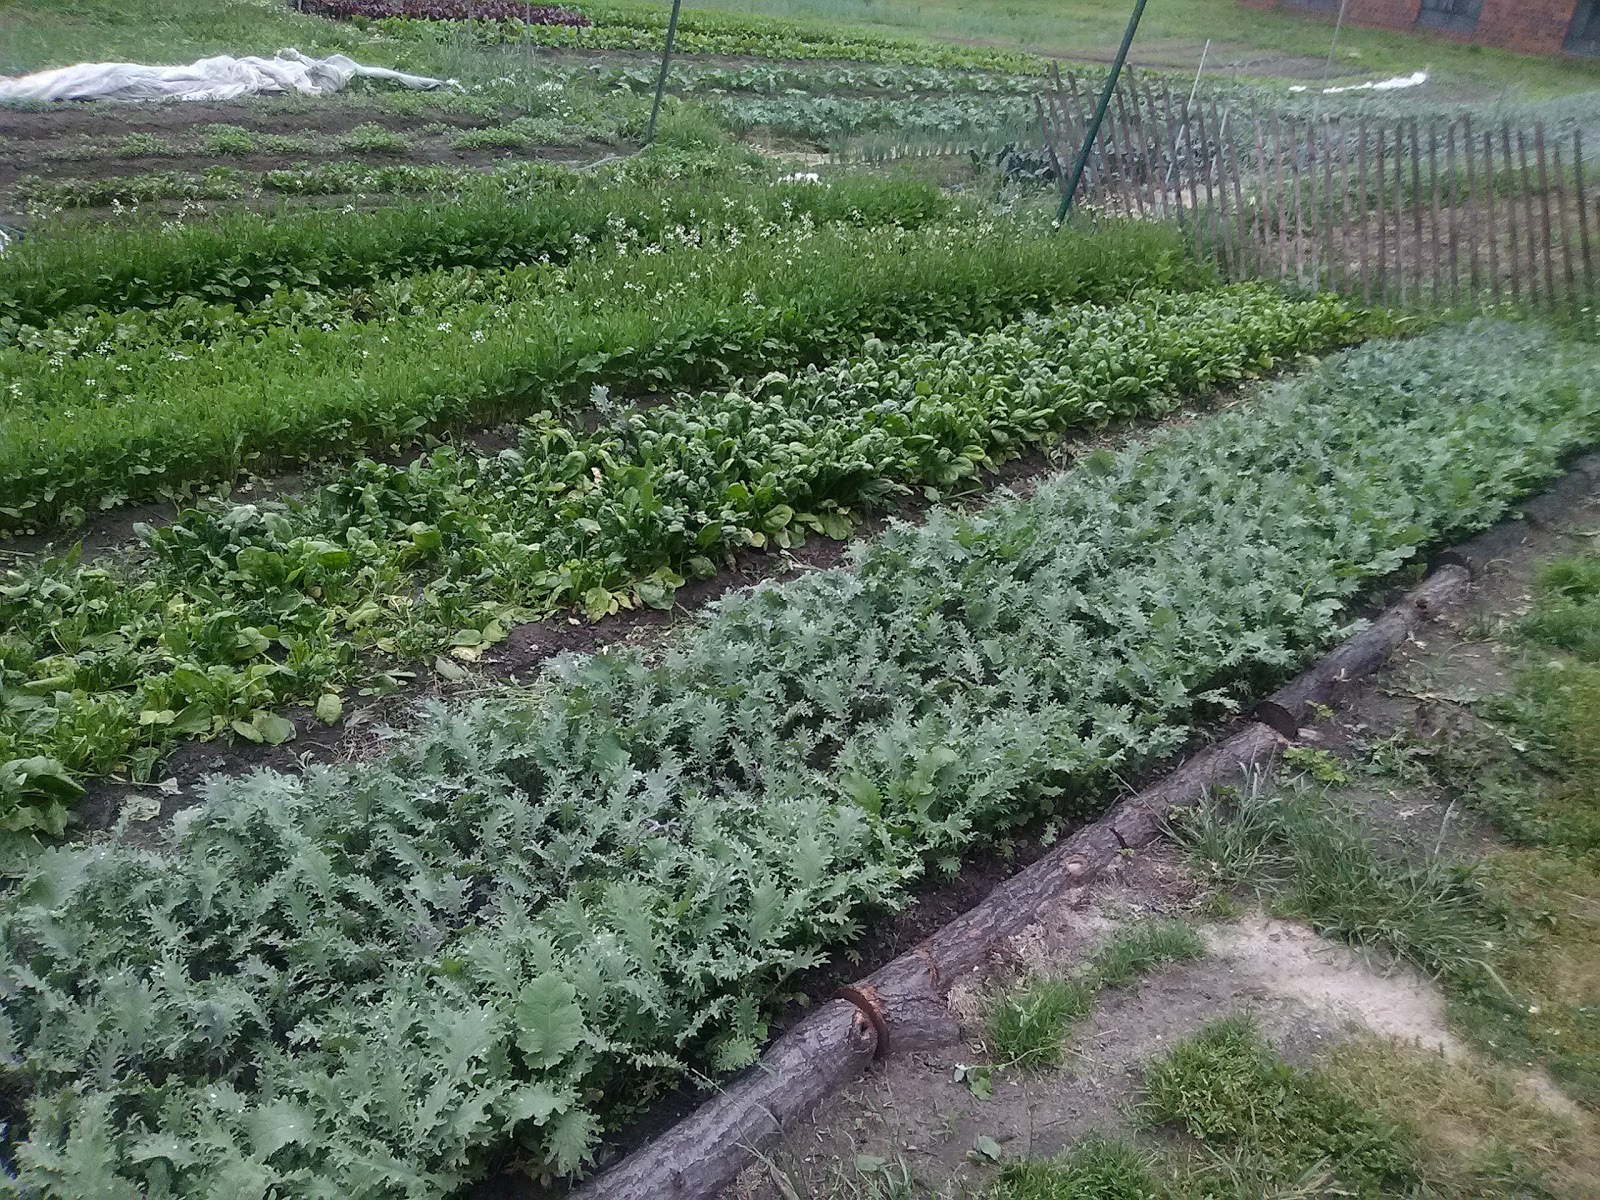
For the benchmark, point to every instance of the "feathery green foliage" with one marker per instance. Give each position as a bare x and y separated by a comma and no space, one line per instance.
93,422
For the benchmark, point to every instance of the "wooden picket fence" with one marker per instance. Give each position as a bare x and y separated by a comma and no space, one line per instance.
1398,210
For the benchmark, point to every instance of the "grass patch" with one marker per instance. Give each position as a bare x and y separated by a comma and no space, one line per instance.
1028,1024
1512,941
1371,1117
1226,1087
1475,1130
1081,26
1141,948
1097,1168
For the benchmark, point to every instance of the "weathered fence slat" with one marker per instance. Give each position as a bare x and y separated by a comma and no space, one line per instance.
1455,215
1433,198
1364,241
1583,210
1524,178
1383,232
1565,210
1325,209
1544,211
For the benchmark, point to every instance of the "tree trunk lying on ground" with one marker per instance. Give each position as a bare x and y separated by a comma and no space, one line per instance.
901,1007
1294,705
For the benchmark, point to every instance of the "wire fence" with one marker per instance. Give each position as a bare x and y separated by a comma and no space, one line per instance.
1393,209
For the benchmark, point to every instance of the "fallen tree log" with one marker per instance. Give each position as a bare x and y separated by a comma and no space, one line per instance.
1294,705
902,1007
701,1154
910,991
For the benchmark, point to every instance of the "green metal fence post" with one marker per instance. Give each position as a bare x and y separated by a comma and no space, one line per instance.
661,79
1099,113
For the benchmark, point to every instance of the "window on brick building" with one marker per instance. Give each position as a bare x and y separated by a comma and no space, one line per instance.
1458,16
1583,35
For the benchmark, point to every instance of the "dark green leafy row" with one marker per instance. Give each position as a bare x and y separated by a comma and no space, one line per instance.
369,980
634,25
155,420
240,610
244,256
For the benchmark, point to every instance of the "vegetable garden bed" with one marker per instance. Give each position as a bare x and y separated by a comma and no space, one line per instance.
371,979
240,610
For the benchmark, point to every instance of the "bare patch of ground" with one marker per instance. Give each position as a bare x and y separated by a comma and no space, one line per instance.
913,1114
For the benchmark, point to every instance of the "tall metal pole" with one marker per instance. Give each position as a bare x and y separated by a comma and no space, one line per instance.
1099,113
661,79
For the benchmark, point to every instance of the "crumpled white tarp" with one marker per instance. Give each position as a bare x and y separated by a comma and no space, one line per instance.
1415,79
219,78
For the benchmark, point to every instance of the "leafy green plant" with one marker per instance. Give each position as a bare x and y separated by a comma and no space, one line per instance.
372,138
228,139
157,420
243,257
143,145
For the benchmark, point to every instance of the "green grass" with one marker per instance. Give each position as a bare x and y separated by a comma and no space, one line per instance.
41,33
1370,1116
1514,941
38,34
1174,31
1096,1168
1226,1087
1141,948
1028,1024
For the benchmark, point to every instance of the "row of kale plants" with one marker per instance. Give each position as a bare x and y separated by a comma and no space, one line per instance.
237,610
378,980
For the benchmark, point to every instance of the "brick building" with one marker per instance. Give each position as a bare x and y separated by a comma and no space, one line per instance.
1526,26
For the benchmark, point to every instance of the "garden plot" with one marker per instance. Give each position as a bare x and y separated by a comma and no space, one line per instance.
539,911
1439,1018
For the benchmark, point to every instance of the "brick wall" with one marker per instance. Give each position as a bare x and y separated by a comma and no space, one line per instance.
1526,26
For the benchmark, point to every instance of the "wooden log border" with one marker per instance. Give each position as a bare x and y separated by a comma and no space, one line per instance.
901,1007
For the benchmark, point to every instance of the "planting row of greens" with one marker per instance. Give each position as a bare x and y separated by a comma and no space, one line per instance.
237,611
157,420
245,256
639,25
374,980
829,117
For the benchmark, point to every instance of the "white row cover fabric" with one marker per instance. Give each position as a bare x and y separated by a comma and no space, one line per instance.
1415,79
219,78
